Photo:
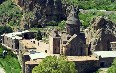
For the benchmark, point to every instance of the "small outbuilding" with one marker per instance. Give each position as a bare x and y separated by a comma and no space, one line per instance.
105,57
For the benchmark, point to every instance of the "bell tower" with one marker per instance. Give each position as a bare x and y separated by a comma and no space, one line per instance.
73,22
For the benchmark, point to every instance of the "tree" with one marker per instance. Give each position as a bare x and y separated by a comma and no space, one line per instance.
5,29
38,35
53,64
112,69
62,25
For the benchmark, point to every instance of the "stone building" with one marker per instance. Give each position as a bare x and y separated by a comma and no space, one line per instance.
30,52
106,58
100,34
54,42
27,45
11,40
68,42
98,40
85,64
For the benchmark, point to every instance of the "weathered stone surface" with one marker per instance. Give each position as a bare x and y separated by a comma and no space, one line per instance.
44,10
100,34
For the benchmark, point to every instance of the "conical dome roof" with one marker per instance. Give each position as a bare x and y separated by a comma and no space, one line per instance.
72,18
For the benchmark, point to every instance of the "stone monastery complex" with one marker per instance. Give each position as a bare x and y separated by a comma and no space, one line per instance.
92,49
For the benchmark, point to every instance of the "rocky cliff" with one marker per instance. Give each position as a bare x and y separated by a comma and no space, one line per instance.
42,11
100,34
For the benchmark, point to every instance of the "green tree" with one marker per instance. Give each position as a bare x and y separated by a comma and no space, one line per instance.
62,25
53,64
112,69
5,29
38,35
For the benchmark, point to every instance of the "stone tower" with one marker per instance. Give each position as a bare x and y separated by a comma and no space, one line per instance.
73,23
54,42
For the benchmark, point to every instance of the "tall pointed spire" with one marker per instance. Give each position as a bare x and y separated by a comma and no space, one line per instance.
73,17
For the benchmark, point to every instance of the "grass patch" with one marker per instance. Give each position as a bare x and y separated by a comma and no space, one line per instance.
86,18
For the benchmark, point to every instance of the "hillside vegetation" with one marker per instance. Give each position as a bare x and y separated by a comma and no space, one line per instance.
86,17
93,4
10,14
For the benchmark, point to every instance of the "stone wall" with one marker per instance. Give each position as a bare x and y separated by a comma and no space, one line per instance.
29,68
74,48
51,43
13,44
106,62
54,44
113,45
87,66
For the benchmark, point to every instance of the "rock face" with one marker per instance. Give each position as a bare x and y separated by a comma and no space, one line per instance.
100,34
44,10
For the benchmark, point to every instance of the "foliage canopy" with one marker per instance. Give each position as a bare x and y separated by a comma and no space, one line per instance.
53,64
5,29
